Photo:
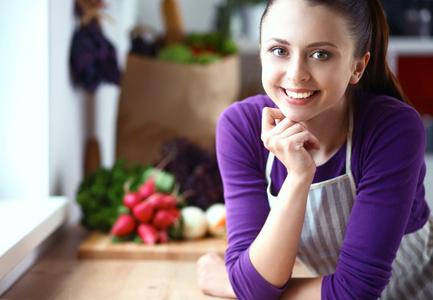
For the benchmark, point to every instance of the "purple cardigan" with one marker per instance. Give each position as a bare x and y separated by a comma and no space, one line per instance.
388,167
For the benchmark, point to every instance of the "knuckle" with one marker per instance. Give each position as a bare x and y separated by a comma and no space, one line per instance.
266,139
298,127
263,138
271,144
293,144
289,144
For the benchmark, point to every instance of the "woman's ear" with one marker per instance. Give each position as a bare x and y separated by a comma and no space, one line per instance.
361,64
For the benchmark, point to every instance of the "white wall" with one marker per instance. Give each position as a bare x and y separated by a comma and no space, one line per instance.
42,117
67,108
198,15
23,99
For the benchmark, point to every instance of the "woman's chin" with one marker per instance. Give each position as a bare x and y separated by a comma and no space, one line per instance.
296,117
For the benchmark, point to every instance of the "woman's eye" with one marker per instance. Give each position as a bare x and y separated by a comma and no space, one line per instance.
321,55
279,51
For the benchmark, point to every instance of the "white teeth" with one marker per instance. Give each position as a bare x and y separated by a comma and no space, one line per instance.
299,95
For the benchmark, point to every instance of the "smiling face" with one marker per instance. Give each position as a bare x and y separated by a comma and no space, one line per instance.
307,60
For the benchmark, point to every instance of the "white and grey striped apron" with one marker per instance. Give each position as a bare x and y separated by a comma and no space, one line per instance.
328,209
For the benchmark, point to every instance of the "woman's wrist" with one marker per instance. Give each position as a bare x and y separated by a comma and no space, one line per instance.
301,179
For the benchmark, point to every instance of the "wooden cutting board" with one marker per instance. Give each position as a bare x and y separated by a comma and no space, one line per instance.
99,245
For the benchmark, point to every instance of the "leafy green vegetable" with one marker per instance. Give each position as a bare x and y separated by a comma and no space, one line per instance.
213,40
206,58
138,240
122,209
100,194
199,49
175,230
164,181
176,53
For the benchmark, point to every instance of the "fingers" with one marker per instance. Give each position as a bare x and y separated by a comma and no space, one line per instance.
277,129
212,276
290,142
207,260
306,140
310,141
274,123
269,116
275,126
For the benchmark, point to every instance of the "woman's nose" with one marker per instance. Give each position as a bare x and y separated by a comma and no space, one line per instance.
297,70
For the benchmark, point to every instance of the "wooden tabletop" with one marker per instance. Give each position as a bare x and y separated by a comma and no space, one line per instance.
61,275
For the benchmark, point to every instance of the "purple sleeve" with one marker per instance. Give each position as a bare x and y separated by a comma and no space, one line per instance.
240,158
390,165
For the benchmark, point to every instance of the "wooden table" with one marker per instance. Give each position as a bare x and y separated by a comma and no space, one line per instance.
61,275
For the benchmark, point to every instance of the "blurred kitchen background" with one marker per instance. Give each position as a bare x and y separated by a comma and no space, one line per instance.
46,121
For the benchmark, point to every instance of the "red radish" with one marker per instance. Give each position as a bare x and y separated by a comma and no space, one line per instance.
163,201
143,211
170,201
147,233
124,225
162,236
195,49
131,199
210,49
148,188
175,212
163,218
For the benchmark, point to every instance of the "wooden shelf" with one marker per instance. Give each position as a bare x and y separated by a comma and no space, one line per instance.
32,222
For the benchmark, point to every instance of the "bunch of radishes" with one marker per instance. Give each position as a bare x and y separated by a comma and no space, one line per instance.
150,214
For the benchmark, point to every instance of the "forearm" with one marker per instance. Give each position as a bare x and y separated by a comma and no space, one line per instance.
273,252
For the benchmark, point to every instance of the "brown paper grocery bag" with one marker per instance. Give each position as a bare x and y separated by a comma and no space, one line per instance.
162,100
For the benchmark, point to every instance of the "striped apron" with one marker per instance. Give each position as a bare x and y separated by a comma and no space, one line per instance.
328,209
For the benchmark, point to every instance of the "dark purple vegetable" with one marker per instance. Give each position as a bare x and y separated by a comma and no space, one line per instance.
92,58
196,170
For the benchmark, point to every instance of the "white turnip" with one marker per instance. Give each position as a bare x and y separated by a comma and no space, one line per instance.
194,222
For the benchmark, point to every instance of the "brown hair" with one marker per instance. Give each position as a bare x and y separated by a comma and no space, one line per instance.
367,23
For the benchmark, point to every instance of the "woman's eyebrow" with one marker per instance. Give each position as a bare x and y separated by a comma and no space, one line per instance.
321,44
278,40
315,44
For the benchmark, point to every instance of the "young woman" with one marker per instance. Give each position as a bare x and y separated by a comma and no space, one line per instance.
327,168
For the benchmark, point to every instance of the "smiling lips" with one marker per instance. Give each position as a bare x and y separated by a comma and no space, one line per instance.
301,96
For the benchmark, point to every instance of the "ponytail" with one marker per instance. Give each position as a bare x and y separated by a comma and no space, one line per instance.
378,77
